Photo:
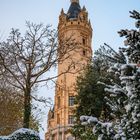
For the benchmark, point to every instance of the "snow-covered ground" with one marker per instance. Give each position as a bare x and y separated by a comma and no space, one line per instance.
22,134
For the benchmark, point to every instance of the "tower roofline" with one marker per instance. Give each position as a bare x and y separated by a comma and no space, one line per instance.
74,9
77,1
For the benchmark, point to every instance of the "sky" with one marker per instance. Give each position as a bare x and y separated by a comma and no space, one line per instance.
106,16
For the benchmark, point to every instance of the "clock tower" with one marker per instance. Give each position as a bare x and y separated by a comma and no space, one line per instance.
74,23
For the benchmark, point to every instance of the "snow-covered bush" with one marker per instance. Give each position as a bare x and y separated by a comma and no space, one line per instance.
122,97
22,134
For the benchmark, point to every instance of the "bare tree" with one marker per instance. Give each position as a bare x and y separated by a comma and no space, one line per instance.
25,61
2,35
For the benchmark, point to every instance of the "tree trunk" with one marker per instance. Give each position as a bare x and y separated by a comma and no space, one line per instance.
27,108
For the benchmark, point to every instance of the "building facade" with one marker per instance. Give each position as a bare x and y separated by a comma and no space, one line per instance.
74,24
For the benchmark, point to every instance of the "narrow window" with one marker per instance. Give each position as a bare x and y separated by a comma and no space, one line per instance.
84,41
71,100
84,52
60,136
58,119
71,119
53,137
70,138
73,66
58,100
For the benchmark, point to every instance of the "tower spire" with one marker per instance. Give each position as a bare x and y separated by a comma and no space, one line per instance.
77,1
74,9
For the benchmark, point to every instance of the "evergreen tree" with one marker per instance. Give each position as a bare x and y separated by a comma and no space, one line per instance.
88,92
90,97
124,97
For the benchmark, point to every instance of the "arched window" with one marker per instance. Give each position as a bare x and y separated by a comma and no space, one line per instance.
71,100
71,119
84,52
70,138
58,100
84,41
58,119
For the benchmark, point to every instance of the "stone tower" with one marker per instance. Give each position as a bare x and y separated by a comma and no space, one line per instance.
74,23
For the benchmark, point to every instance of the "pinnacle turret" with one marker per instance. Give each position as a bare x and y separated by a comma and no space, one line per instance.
84,8
62,11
